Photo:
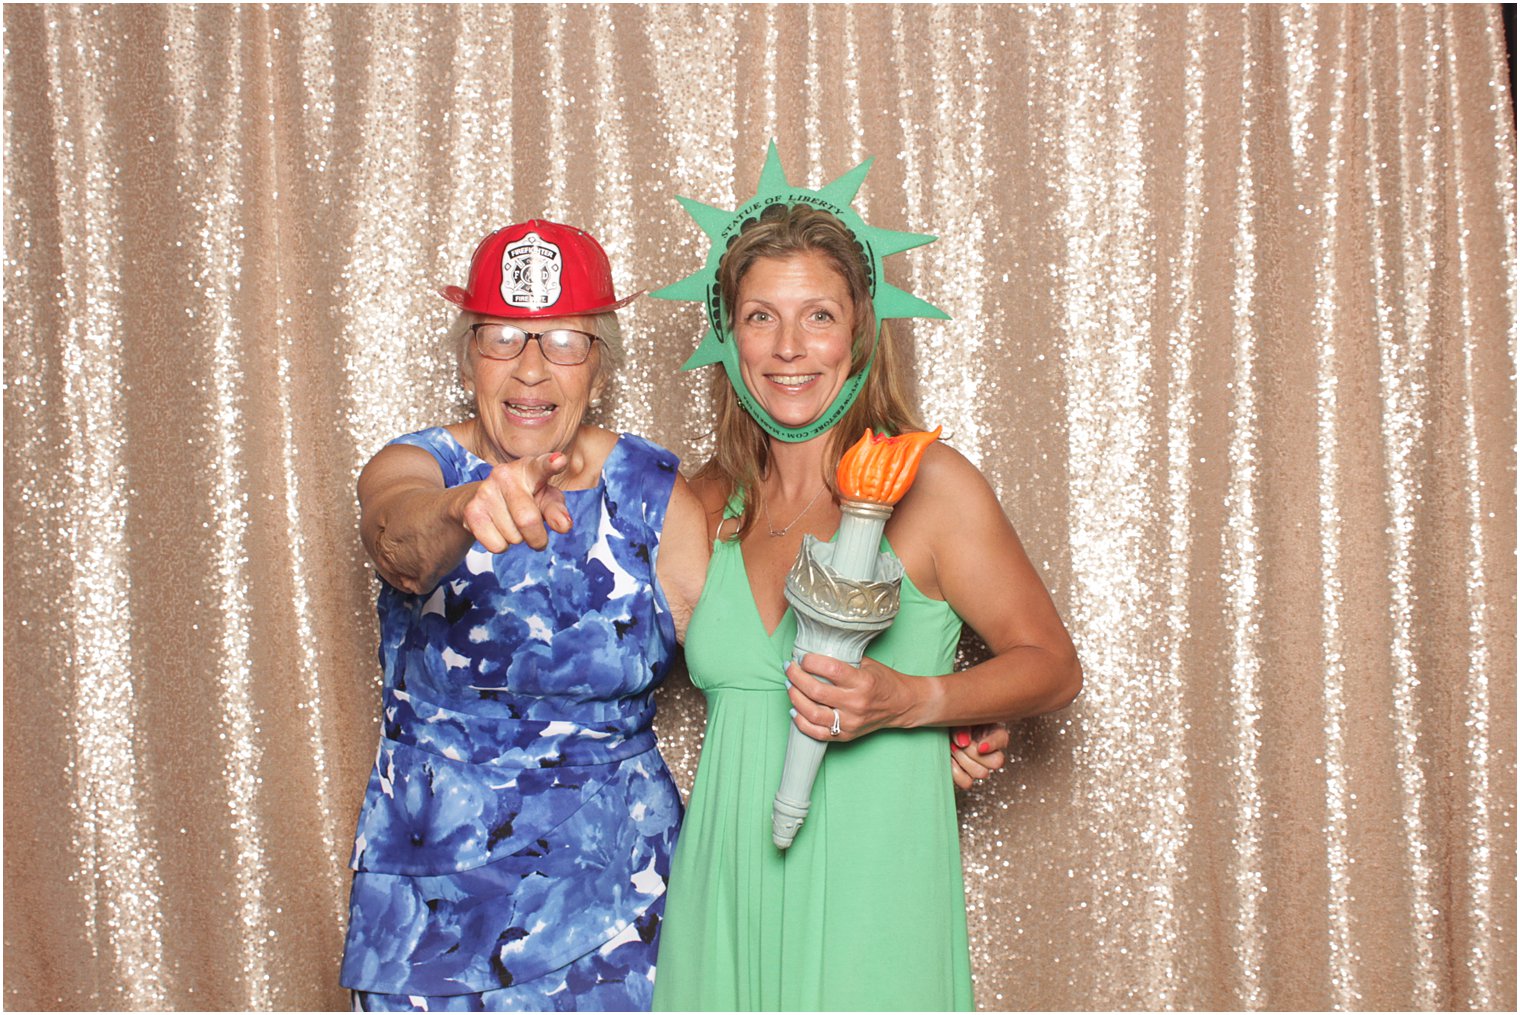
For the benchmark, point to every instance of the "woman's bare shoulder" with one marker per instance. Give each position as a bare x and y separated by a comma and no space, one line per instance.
395,465
710,490
945,476
713,494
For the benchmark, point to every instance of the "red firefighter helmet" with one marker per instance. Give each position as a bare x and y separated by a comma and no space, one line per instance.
538,268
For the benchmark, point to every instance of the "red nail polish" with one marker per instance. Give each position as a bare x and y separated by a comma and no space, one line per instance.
963,739
984,747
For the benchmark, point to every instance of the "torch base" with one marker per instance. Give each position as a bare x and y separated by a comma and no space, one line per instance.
786,818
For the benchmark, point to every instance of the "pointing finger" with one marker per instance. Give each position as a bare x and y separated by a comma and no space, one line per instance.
534,473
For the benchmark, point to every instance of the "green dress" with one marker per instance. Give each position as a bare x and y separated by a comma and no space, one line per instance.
866,910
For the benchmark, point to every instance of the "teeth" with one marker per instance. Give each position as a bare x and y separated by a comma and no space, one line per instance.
792,378
530,410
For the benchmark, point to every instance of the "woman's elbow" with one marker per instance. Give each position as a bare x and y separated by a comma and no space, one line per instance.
391,565
411,586
1066,680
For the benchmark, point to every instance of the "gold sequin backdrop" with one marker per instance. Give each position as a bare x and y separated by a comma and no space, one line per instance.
1233,338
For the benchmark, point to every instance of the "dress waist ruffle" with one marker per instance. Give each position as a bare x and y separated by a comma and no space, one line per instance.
514,742
451,791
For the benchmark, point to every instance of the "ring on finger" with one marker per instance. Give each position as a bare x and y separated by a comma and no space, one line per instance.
834,730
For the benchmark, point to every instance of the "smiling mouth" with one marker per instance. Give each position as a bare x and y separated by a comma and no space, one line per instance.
531,410
792,380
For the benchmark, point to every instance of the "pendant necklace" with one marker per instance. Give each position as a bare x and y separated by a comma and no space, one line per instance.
781,532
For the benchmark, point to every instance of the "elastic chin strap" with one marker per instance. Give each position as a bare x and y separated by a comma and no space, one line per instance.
797,434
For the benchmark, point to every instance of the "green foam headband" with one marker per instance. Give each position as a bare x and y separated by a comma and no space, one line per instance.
722,227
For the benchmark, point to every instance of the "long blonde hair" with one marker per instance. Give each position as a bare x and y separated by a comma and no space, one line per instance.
742,453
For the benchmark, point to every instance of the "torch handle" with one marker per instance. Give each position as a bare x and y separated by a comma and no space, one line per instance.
803,757
858,543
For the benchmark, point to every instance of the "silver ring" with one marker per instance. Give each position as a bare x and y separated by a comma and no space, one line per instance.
834,730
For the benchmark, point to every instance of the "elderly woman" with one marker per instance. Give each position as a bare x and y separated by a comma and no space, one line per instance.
517,828
865,911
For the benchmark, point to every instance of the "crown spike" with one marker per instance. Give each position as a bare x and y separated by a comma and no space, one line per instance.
710,351
709,218
892,302
692,287
772,177
890,241
843,190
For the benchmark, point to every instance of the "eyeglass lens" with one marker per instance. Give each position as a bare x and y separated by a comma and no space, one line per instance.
562,345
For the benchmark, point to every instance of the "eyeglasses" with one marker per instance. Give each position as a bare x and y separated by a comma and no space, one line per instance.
565,347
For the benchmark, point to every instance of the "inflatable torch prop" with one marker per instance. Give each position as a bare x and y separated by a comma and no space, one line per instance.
845,593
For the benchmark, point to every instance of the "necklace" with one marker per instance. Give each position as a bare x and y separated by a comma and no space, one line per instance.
781,532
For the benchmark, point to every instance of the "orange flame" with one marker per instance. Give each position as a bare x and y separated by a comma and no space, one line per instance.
880,469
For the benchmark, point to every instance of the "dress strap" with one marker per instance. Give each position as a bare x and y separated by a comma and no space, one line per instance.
734,509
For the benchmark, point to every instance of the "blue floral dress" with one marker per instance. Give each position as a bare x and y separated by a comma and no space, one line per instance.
518,825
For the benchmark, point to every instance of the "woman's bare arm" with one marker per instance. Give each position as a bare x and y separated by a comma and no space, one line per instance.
975,562
682,564
417,531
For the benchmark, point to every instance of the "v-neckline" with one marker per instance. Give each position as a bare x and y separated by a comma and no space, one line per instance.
749,586
754,604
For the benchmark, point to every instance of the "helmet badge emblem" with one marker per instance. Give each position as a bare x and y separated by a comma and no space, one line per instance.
530,270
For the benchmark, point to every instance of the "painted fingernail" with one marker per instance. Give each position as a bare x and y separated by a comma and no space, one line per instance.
793,711
962,738
984,747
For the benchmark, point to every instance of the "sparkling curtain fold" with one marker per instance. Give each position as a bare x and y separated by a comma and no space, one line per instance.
1233,338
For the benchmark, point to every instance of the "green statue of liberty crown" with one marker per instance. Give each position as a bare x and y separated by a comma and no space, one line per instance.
721,227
